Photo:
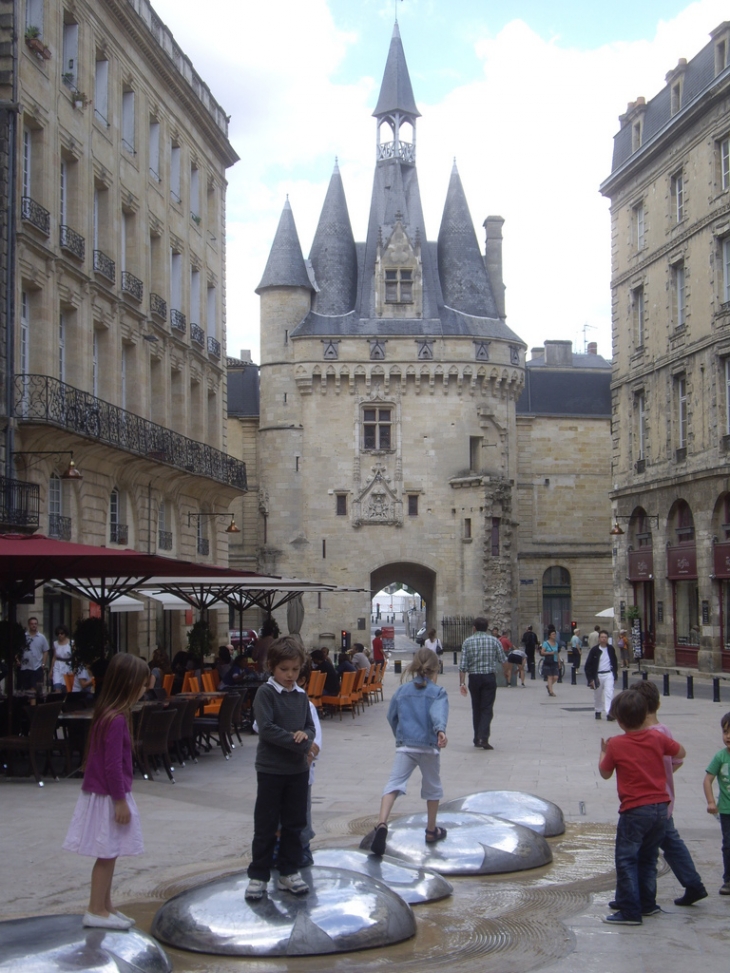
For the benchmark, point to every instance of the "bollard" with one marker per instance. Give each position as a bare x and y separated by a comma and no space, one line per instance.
455,659
690,687
625,678
573,671
716,689
397,667
666,683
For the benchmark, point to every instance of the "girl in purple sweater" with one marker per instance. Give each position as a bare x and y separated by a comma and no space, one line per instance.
105,823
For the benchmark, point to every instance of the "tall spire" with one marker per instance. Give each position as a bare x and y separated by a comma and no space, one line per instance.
333,254
285,266
464,279
396,93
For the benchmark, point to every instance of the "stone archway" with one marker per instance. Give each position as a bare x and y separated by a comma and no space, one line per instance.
416,576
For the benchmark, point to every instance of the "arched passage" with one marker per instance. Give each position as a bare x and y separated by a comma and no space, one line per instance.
416,576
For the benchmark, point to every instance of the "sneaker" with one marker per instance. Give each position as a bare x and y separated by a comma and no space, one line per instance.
293,883
378,845
691,896
619,919
255,889
112,921
725,889
654,911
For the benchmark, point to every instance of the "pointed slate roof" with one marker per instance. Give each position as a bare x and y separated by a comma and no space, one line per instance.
285,266
464,279
396,93
333,255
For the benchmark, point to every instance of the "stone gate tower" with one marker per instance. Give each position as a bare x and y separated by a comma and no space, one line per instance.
387,439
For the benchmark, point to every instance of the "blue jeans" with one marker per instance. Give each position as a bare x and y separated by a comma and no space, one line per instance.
725,825
679,859
639,833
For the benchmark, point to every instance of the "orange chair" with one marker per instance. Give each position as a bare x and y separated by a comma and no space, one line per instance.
357,693
167,682
345,697
68,678
367,686
209,678
377,683
315,687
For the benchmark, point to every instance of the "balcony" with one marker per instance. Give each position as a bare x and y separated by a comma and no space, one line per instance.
164,540
118,533
158,307
105,266
132,285
214,347
73,242
33,213
197,334
59,527
203,546
178,321
41,399
20,505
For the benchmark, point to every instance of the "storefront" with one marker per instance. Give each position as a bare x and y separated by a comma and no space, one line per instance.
641,576
682,573
721,565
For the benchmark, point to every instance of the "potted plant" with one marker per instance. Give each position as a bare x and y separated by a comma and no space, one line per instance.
69,79
35,43
200,641
79,99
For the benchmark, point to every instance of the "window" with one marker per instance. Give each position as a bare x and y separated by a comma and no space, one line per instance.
194,296
684,521
118,533
210,314
70,67
725,163
495,536
154,148
475,453
639,226
637,303
123,376
720,57
24,334
398,286
678,309
175,173
34,14
341,501
195,194
640,426
175,280
727,397
376,428
55,496
64,193
467,528
95,364
61,347
678,196
101,92
725,270
412,504
682,412
636,136
128,121
676,97
27,162
164,530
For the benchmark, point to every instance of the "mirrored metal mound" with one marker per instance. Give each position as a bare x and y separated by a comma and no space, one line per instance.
343,911
476,844
413,883
60,944
527,809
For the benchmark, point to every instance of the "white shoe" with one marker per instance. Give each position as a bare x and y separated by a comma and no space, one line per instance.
128,919
112,921
293,883
255,889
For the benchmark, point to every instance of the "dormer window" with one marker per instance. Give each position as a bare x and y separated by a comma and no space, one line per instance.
399,287
676,97
720,56
636,136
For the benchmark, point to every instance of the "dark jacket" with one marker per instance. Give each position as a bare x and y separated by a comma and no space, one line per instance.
594,657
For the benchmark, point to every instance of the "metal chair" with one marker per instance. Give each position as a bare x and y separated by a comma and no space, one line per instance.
217,728
41,738
152,739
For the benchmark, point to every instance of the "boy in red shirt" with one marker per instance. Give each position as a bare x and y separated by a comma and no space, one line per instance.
638,759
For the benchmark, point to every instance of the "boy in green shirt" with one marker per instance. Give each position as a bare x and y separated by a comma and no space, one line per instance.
720,767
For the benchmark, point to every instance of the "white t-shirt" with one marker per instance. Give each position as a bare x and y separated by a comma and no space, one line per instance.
61,668
428,644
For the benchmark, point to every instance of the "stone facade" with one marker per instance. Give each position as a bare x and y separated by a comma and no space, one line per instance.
670,226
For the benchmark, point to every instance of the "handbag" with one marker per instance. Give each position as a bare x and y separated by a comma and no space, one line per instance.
439,647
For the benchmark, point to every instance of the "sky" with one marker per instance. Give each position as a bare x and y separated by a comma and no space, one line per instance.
525,95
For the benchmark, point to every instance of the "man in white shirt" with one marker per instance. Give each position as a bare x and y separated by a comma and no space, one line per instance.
34,658
601,669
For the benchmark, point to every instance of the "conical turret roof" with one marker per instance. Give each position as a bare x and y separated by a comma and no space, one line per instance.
396,93
464,279
333,255
285,266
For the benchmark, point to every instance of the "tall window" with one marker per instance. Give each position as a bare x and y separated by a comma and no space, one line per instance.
475,453
725,163
62,347
194,296
637,299
639,226
175,173
725,270
398,286
636,136
641,425
495,536
727,397
95,364
676,97
154,140
27,162
64,193
101,91
210,313
678,196
24,334
176,280
678,309
720,57
34,14
70,66
55,496
123,376
376,428
194,192
128,121
682,411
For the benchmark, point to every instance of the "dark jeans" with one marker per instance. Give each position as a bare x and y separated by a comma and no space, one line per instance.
281,799
482,689
679,859
725,825
639,833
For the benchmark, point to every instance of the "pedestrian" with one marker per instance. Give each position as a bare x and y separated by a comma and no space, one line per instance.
575,647
529,640
61,659
378,654
675,851
637,756
594,636
418,714
34,659
550,652
433,642
719,767
105,822
481,653
601,670
623,647
516,657
286,733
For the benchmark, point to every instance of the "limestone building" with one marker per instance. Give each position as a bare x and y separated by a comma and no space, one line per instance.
115,248
670,227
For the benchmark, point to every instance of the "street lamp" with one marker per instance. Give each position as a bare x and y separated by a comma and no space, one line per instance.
70,473
232,528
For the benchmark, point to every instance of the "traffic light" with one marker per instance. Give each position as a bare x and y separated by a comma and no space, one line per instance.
345,641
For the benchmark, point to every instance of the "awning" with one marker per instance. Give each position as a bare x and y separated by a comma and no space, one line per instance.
126,604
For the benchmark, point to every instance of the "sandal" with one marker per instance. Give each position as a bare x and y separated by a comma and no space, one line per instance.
378,845
438,834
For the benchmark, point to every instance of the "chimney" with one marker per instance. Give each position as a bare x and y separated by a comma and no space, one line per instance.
537,353
559,353
592,347
493,260
245,354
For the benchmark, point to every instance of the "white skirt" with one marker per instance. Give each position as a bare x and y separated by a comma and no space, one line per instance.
94,832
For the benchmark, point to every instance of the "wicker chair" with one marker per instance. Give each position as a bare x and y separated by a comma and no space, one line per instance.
41,738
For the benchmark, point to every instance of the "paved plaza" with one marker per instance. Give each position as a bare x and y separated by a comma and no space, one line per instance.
547,919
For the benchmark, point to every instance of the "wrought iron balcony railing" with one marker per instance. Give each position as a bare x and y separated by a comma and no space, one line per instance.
105,266
158,307
164,540
20,504
118,533
203,546
214,346
59,527
73,242
178,321
197,334
44,399
36,215
132,285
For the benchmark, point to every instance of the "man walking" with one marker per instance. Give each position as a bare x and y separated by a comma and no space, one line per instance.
34,658
601,669
481,653
529,640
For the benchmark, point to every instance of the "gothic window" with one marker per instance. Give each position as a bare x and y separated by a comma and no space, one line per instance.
481,350
377,349
329,350
376,428
399,287
425,349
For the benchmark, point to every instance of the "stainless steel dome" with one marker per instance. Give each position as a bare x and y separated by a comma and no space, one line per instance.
527,809
412,883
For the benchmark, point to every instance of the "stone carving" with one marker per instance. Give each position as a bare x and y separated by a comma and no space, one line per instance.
378,503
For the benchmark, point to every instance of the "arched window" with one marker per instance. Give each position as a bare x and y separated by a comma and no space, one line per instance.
684,525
